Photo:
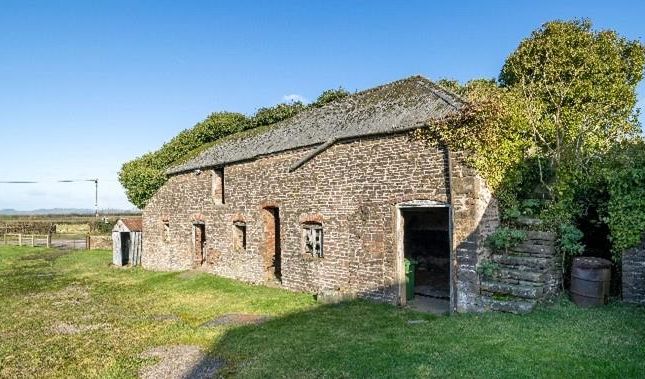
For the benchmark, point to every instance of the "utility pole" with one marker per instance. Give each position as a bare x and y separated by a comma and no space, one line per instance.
96,196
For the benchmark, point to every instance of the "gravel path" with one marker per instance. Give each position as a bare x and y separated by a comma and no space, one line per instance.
180,362
236,319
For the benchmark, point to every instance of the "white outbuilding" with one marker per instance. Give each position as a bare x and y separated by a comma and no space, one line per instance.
127,242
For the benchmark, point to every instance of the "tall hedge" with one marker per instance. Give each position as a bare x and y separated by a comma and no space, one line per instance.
626,187
143,176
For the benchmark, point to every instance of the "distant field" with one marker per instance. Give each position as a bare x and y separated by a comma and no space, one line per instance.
67,219
67,226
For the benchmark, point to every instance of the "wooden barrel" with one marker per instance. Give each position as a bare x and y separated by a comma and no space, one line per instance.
590,279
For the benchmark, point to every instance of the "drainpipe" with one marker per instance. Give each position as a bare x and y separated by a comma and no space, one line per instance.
453,255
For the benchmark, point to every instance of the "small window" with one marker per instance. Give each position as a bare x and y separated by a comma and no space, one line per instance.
166,230
217,185
312,234
240,235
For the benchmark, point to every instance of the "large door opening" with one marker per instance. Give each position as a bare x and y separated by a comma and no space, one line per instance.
199,233
425,240
272,247
125,248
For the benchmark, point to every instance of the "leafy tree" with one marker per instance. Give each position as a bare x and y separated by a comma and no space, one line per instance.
565,103
329,96
625,175
493,131
581,85
143,176
277,113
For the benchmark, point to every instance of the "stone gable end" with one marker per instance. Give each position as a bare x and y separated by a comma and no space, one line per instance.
350,190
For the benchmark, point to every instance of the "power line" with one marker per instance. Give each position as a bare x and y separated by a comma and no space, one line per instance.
95,180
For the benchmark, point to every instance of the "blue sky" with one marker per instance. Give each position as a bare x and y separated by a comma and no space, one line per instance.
88,85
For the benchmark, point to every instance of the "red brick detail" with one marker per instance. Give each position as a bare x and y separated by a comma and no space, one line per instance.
198,217
311,218
238,217
269,204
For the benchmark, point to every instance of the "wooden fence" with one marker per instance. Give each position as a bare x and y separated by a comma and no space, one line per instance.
20,239
62,241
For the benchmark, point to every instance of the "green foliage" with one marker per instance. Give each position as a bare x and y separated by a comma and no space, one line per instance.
142,177
329,96
505,238
570,238
277,113
625,175
581,86
566,101
487,268
493,131
102,227
523,208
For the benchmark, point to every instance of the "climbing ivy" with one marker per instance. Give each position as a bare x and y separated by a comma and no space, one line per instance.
625,175
505,238
566,98
493,130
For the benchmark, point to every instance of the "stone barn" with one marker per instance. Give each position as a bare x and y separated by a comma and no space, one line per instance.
127,242
332,201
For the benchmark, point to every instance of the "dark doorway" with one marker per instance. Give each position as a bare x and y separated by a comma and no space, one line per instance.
200,240
125,248
426,241
272,248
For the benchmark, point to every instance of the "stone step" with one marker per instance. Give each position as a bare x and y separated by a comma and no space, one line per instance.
532,250
532,263
523,291
518,282
516,306
547,237
513,273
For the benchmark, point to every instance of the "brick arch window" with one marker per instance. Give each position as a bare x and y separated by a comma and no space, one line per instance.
165,222
239,235
312,239
217,185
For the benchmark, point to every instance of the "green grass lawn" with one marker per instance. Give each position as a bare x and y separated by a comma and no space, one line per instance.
116,314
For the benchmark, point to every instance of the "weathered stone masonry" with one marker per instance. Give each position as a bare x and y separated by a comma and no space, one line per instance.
633,262
351,188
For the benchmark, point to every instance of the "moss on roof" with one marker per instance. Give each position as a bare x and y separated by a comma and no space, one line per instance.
390,108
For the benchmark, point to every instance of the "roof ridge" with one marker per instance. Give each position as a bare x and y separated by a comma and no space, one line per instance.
396,106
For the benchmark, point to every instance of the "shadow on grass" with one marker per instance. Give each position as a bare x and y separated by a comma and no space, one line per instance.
364,339
356,338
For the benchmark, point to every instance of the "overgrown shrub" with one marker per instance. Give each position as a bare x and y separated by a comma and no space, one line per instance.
142,177
570,240
505,238
487,268
329,96
625,175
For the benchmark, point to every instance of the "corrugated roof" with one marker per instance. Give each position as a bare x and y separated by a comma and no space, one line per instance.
398,106
134,224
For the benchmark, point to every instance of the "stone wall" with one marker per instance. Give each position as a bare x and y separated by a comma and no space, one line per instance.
100,242
526,274
634,274
351,189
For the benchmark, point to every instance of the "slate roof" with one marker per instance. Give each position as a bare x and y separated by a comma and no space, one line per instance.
391,108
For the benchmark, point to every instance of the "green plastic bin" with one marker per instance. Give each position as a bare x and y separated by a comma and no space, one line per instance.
410,268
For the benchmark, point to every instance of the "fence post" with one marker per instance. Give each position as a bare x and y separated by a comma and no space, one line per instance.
32,241
19,239
87,242
49,240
